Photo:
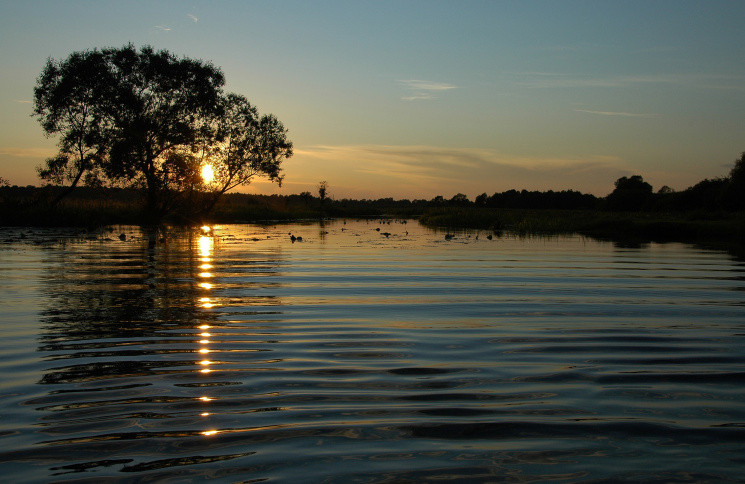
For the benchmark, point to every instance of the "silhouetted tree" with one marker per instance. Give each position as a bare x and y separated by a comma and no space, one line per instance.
481,200
322,190
631,193
665,190
566,199
242,146
158,105
635,183
460,199
68,101
736,189
306,197
704,195
148,119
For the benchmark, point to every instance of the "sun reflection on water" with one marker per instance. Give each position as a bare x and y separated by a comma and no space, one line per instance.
206,247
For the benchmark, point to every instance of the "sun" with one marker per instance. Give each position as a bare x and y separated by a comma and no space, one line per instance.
208,174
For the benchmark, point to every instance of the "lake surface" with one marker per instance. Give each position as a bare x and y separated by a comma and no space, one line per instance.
237,355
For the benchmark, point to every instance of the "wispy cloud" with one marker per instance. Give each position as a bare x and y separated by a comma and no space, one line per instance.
543,80
27,152
619,113
23,101
430,169
164,28
419,89
550,80
193,17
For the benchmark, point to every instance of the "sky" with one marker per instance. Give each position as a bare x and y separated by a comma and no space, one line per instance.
414,99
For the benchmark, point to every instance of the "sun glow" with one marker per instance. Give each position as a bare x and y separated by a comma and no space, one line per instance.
208,174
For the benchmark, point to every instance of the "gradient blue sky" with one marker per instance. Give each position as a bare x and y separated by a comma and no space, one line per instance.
413,99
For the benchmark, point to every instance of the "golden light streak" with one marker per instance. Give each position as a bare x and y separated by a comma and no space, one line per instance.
210,432
205,247
205,326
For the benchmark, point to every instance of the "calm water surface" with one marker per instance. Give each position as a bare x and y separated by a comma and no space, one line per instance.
354,356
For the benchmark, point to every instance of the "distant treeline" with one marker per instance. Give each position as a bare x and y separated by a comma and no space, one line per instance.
88,205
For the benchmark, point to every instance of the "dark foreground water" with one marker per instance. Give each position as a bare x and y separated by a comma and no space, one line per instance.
355,356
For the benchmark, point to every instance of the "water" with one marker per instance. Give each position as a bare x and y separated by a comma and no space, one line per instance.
352,356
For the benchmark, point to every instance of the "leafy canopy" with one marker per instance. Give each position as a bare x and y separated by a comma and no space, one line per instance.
149,119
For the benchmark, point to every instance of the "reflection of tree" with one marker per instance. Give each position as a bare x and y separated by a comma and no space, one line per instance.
139,359
122,301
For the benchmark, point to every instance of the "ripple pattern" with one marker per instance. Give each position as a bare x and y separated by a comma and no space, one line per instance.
235,354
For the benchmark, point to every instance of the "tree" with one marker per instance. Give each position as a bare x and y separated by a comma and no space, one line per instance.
322,190
67,101
459,199
633,183
631,193
241,146
158,105
148,119
736,189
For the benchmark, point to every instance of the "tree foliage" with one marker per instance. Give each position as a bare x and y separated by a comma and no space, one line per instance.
322,190
242,145
67,102
149,119
631,193
736,189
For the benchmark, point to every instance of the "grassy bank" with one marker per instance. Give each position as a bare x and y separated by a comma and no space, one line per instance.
30,206
90,207
725,227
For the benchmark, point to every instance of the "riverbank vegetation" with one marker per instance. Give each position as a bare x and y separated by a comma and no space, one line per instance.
710,211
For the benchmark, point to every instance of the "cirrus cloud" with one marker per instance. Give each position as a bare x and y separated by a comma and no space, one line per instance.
419,89
425,171
618,113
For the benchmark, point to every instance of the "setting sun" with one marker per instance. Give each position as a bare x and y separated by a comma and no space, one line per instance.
208,174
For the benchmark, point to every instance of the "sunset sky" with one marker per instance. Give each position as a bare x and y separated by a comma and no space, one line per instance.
413,99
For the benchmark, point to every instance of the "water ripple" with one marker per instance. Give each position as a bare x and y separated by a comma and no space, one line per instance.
236,355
